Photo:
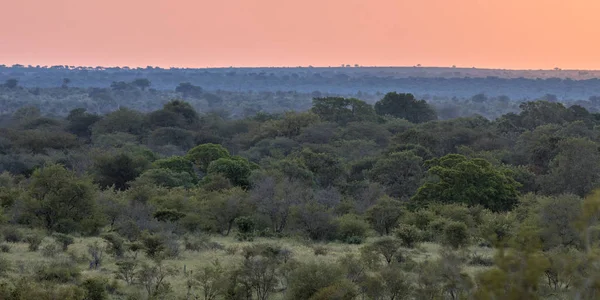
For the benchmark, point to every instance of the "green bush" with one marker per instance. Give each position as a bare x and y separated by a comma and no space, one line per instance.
5,266
352,228
95,289
34,241
422,218
409,235
4,248
456,235
116,244
60,272
307,280
341,290
12,234
50,250
63,240
320,250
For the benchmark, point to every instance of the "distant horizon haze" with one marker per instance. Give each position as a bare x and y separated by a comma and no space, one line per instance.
493,34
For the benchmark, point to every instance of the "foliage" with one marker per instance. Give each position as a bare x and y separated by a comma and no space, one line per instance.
470,181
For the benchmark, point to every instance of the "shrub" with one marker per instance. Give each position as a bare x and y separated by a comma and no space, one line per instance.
351,228
456,235
60,272
63,240
341,290
154,245
387,247
199,243
50,250
95,289
320,250
496,228
5,266
422,218
409,235
246,228
34,241
4,248
12,234
116,244
306,280
479,260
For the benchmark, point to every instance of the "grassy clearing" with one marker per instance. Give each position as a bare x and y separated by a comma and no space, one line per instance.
24,262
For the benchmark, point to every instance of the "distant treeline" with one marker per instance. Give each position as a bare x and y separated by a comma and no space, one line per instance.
427,83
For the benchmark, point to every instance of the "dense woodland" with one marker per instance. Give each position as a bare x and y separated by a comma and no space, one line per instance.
190,194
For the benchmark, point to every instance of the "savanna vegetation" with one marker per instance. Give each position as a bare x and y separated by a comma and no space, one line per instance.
348,199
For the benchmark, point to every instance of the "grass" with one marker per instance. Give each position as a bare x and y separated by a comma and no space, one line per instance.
24,261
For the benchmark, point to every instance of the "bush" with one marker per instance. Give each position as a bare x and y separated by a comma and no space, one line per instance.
193,243
12,234
116,244
50,250
479,260
320,250
246,228
4,248
154,245
307,280
341,290
34,241
63,240
60,272
423,218
95,289
456,235
409,235
5,266
352,229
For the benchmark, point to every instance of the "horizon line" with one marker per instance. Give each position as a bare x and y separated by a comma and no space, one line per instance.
291,67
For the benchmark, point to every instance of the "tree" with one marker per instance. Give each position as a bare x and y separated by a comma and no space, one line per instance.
61,201
118,170
184,110
11,83
189,90
177,164
343,110
65,83
575,169
224,208
405,106
236,169
399,172
204,154
81,122
384,215
142,83
457,179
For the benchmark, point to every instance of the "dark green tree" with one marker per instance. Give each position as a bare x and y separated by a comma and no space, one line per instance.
61,201
405,106
204,154
457,179
343,110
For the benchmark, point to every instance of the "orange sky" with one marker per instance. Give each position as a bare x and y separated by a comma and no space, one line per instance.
523,34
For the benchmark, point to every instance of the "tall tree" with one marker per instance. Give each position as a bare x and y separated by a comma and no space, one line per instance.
405,106
457,179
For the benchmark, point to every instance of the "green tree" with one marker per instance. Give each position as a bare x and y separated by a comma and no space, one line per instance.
118,170
236,169
61,201
176,164
11,83
400,173
142,83
384,215
575,169
342,110
457,179
405,106
204,154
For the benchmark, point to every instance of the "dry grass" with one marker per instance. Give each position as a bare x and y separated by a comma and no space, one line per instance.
25,261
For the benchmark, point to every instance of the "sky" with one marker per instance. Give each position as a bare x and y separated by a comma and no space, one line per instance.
508,34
